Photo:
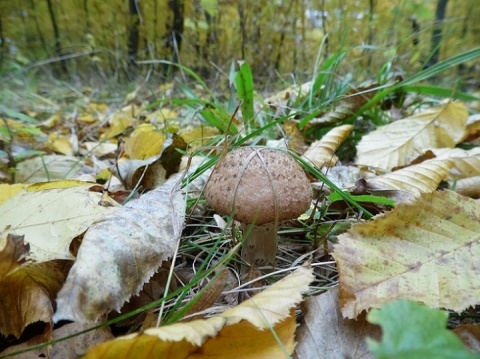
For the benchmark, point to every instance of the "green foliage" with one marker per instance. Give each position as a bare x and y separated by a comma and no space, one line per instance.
244,85
414,331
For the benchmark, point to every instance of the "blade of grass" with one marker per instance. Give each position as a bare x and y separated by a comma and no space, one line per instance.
244,85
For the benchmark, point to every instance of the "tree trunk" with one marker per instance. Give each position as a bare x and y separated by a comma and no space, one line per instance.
133,34
437,33
175,31
56,33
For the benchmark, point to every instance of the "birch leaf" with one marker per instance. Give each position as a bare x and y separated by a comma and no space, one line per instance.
322,152
466,163
245,331
49,215
120,252
425,251
397,143
422,178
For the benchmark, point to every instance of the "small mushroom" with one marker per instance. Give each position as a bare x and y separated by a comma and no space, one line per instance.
260,188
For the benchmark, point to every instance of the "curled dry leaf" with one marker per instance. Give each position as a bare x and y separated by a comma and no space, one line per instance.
322,152
27,295
466,163
26,291
245,331
422,178
120,252
398,143
426,251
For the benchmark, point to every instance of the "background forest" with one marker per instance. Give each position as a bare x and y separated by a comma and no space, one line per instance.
117,118
121,39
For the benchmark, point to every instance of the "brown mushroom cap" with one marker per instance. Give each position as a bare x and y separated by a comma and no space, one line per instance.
259,185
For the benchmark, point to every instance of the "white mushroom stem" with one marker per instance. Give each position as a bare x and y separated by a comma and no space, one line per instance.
260,244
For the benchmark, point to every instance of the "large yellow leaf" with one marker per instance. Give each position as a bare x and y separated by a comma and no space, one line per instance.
322,152
245,331
50,215
426,251
398,143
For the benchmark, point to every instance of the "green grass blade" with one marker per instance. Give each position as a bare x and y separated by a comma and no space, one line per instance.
244,85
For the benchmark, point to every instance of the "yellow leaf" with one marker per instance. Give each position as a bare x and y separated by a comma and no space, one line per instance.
119,122
60,144
245,331
50,216
9,190
199,136
144,142
322,152
416,179
425,251
397,143
466,163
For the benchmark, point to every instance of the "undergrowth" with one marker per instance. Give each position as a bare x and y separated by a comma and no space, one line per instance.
209,246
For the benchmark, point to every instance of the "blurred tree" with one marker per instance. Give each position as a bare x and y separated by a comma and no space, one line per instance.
437,33
58,43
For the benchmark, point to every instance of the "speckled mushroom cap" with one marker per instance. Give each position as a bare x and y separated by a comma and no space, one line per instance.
253,183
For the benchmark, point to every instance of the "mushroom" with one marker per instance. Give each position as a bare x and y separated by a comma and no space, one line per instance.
260,188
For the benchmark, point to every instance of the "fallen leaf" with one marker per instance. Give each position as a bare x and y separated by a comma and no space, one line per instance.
72,347
465,163
422,178
47,168
145,142
322,152
120,252
469,334
399,142
245,331
426,251
324,334
50,215
27,295
411,330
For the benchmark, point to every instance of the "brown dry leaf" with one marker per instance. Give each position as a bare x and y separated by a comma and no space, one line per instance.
280,101
27,295
50,215
469,334
244,331
346,107
398,143
324,334
322,152
13,253
73,347
425,251
422,178
120,252
209,294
